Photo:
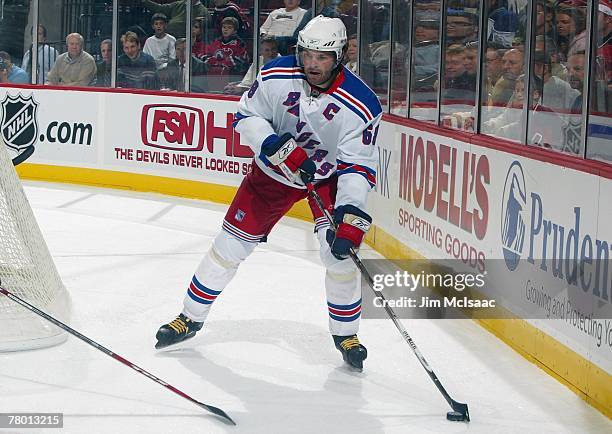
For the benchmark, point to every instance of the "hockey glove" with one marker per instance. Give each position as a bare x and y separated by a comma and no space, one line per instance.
352,225
284,151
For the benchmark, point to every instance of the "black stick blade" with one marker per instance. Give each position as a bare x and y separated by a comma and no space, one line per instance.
460,413
218,412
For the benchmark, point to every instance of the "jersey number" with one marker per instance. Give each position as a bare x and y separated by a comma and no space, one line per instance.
368,137
253,89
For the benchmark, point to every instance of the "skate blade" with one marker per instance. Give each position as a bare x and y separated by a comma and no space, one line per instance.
354,368
350,365
172,346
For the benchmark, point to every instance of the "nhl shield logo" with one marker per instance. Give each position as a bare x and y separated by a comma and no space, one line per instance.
19,126
572,132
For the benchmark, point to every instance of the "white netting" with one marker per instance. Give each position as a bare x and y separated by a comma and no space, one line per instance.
27,270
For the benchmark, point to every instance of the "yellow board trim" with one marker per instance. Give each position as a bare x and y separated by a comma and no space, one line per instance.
580,375
143,183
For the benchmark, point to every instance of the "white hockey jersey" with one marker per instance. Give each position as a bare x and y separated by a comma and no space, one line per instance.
337,128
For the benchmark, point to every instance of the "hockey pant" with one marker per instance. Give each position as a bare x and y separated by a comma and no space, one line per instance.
218,267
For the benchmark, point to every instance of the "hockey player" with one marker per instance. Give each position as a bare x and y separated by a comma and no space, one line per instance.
308,120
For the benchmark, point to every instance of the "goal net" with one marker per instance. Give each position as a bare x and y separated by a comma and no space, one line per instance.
27,270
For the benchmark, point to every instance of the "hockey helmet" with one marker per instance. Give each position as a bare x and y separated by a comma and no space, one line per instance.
323,34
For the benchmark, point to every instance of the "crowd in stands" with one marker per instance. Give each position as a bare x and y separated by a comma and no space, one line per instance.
221,49
222,58
556,83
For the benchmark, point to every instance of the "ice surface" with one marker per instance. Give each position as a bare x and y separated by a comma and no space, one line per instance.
265,355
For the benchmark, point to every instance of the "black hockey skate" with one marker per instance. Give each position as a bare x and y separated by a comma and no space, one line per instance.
177,330
352,351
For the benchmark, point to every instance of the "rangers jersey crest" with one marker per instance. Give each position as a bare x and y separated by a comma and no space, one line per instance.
337,127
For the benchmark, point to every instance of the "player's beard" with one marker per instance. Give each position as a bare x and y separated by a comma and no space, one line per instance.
321,80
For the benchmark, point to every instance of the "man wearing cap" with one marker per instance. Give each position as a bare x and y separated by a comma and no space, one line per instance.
426,50
461,27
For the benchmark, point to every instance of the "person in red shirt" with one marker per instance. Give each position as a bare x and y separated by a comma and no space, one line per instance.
198,43
604,40
227,54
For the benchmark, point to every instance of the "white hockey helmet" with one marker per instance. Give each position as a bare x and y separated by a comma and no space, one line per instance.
324,34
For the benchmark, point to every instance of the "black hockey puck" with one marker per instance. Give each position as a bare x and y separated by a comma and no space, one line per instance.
455,416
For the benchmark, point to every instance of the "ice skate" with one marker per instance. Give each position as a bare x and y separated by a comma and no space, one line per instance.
177,330
352,351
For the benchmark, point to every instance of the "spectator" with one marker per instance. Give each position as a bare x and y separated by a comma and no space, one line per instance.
286,43
544,18
198,44
305,19
427,27
509,123
503,24
540,24
350,60
281,23
557,94
227,54
135,69
551,50
512,67
75,67
10,73
603,71
575,78
47,56
575,70
367,71
177,11
227,8
160,46
458,90
493,70
573,131
457,79
268,50
471,60
601,96
426,54
174,75
461,27
571,25
104,68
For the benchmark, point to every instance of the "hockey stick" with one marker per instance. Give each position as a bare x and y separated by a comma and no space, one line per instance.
460,410
117,357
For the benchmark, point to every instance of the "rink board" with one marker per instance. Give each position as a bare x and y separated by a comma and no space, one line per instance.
457,184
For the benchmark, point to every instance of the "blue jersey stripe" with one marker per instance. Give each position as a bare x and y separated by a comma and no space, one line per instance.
237,118
350,107
283,77
354,86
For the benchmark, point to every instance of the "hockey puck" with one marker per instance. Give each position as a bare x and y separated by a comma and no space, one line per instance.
455,416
